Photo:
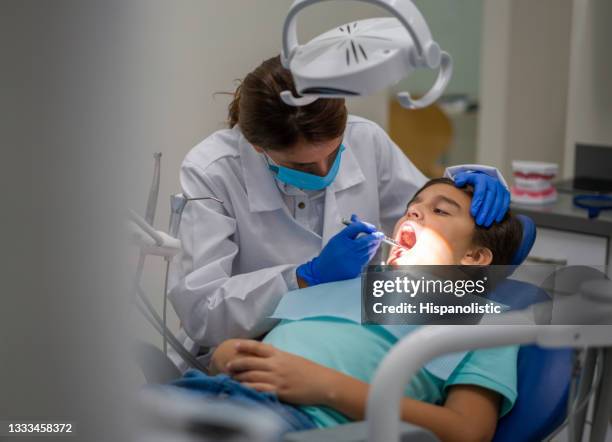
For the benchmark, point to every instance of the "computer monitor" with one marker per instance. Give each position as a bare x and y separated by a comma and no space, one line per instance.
593,168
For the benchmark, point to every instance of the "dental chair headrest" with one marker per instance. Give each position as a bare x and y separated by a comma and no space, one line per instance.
529,237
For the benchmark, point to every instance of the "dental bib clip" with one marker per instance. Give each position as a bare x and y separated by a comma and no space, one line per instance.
363,57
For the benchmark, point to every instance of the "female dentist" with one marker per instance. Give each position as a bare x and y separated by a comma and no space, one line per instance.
287,176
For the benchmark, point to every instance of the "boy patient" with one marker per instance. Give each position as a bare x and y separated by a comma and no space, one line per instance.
324,366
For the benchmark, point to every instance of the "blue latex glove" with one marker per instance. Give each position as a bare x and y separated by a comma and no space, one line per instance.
491,199
344,256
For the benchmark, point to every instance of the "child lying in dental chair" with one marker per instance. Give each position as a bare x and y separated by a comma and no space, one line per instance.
322,366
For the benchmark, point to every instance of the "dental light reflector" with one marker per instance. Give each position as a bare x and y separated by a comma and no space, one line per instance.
362,57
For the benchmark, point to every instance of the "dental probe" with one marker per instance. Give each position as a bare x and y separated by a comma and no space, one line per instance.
386,239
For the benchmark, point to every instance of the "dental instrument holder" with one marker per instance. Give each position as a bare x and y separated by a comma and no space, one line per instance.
178,202
418,348
154,189
594,204
413,51
177,205
167,246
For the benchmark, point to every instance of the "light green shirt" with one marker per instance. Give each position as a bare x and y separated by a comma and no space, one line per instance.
356,350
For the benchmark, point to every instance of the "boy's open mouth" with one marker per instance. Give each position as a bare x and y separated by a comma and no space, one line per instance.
407,238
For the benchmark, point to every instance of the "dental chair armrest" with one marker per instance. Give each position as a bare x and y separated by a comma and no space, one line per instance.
357,432
156,367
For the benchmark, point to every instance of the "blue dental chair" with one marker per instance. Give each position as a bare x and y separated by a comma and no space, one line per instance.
544,377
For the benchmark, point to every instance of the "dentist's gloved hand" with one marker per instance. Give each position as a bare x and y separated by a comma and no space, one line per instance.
344,256
491,199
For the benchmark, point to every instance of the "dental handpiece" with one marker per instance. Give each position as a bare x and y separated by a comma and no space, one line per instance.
386,239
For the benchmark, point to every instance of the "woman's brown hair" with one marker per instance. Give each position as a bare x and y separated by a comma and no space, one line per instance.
503,238
267,122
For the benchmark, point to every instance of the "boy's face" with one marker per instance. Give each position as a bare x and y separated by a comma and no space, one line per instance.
437,228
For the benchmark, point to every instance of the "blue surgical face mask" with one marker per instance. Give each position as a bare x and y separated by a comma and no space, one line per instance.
307,181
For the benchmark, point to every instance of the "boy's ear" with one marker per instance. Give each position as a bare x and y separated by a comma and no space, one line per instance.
480,256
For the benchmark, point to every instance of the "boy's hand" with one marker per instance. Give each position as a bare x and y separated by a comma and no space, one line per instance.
222,355
294,379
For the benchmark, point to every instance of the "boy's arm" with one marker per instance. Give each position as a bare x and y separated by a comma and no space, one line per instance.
470,413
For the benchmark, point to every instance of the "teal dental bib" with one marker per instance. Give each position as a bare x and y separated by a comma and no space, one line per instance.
342,299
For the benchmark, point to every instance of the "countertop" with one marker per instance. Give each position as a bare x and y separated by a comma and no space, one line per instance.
563,215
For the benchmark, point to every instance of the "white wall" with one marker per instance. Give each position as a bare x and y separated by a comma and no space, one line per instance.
496,32
546,80
589,109
183,52
524,81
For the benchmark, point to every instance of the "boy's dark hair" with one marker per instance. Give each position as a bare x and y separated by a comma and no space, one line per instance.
503,238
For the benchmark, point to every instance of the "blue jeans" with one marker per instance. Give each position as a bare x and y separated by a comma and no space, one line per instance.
222,386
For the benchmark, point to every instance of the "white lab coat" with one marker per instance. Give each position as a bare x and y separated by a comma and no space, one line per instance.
240,257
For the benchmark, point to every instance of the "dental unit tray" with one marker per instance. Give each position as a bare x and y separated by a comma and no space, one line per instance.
363,57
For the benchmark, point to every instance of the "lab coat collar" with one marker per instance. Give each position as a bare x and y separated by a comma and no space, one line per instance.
350,173
262,191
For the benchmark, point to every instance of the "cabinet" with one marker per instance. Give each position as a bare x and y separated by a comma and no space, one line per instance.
568,248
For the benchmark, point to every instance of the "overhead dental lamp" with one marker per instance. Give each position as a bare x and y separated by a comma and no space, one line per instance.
363,57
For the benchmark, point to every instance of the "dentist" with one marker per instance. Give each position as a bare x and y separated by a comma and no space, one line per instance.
287,176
